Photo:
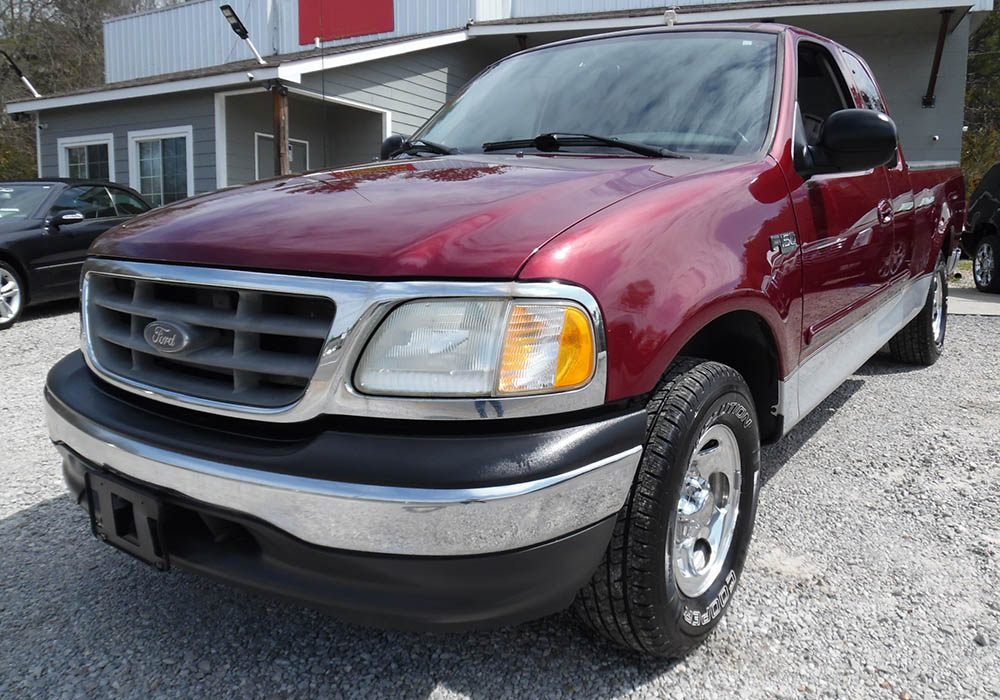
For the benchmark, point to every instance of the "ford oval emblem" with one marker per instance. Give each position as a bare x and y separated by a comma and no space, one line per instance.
166,336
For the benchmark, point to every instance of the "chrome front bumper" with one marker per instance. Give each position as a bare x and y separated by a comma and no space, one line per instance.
359,517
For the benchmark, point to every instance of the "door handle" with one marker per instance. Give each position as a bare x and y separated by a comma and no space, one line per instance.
885,212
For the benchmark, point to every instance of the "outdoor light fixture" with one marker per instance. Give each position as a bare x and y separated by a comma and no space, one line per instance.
240,29
22,76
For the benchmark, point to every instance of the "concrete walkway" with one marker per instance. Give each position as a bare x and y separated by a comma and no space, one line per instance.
972,302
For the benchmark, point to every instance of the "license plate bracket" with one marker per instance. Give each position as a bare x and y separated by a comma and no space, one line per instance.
127,518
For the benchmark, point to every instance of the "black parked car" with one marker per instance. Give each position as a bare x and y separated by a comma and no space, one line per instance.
46,227
981,240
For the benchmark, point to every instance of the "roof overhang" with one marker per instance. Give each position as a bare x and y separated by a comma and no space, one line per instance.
290,71
726,12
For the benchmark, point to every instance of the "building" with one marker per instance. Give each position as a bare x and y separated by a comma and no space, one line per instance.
186,108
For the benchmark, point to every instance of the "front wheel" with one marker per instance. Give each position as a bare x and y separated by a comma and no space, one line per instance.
11,296
921,341
679,543
984,264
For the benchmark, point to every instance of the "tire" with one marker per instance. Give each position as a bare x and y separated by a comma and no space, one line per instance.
643,596
13,296
985,263
921,341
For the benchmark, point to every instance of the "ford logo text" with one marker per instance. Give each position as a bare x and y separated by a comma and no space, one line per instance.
166,336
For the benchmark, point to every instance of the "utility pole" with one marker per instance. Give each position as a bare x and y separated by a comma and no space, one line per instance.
282,165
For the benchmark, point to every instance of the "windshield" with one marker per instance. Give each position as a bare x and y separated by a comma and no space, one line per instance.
21,201
692,92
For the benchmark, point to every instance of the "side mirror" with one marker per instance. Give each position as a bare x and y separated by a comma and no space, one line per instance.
850,140
393,145
68,216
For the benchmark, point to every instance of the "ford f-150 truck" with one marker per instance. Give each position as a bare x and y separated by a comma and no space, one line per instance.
525,361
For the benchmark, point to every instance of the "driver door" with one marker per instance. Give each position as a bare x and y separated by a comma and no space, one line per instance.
845,219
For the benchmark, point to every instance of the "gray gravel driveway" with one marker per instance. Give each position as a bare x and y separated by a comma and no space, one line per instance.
873,572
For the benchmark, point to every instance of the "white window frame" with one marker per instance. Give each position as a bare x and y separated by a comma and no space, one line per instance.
89,140
257,136
169,132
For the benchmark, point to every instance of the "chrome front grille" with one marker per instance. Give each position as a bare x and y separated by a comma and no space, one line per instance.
247,347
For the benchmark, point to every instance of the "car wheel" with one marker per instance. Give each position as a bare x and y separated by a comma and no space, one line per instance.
922,339
984,264
12,296
680,541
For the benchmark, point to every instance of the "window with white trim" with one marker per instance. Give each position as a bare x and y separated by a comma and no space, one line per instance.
87,157
161,164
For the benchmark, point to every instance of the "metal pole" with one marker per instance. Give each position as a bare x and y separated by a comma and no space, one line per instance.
930,99
256,53
27,84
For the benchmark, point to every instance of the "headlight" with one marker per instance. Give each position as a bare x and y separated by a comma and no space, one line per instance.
478,347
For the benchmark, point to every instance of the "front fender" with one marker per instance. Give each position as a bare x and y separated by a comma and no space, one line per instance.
667,261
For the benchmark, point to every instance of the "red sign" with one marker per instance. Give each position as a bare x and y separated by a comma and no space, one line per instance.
339,19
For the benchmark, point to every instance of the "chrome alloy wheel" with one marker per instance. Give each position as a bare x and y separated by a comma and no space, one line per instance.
984,265
707,511
937,308
10,296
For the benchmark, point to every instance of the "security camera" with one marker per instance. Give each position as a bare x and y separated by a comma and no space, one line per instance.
250,76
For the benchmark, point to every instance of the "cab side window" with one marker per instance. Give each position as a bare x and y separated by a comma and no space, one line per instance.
821,90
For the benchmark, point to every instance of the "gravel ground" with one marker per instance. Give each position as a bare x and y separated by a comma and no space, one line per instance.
873,573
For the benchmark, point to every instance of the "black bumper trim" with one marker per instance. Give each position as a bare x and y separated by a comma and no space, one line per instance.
441,594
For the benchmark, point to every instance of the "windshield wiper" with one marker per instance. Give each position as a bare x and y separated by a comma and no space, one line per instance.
431,146
554,141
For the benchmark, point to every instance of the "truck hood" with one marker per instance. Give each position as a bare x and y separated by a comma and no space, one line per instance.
457,216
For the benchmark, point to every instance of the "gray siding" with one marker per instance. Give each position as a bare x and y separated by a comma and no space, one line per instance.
118,118
412,86
899,47
196,35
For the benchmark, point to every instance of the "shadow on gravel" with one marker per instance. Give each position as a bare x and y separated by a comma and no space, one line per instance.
53,308
774,457
80,618
883,364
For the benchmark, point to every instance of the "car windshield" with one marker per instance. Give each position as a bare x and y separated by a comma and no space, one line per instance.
21,201
691,92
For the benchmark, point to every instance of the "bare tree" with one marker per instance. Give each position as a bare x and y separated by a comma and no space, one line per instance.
59,44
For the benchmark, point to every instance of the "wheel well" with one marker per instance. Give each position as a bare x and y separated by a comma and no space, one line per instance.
743,340
20,270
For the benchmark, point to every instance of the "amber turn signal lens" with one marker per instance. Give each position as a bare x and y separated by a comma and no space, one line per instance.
546,347
576,351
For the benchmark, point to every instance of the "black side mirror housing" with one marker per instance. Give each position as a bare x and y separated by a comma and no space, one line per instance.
67,216
393,145
851,140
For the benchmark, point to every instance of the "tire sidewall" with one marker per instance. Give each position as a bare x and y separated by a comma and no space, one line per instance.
942,278
20,283
729,405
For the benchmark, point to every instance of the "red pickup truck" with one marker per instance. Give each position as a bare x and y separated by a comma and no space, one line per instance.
528,359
